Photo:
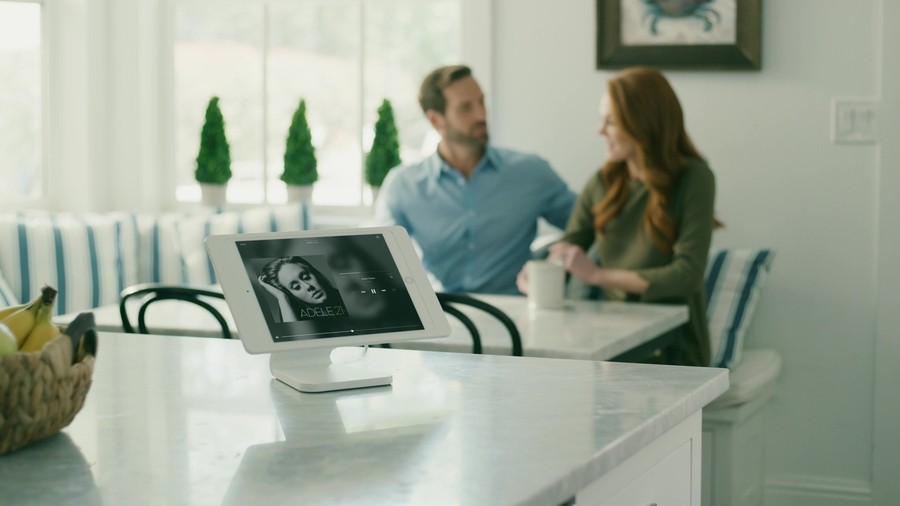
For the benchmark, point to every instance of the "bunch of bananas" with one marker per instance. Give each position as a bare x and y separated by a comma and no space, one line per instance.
30,323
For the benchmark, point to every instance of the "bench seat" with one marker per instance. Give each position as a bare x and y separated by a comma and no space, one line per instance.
733,456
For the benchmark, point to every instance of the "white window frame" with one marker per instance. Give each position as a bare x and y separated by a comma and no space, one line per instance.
476,49
76,80
16,202
109,104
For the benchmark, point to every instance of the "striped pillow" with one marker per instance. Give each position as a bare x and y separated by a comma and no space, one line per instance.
159,255
734,278
197,269
7,297
88,258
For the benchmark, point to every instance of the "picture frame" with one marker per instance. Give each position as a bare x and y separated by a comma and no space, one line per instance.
689,35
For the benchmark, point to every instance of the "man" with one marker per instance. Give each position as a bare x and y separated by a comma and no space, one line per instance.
472,208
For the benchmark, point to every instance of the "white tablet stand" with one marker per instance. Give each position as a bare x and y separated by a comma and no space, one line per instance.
316,370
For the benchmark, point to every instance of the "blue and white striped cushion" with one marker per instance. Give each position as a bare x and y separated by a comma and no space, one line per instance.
7,296
197,269
734,278
88,258
160,256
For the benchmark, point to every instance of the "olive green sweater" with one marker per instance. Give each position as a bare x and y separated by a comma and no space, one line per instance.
675,277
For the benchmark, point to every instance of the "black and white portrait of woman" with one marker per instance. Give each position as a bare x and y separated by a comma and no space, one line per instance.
301,290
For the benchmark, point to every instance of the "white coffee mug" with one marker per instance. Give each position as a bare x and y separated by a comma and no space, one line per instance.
546,284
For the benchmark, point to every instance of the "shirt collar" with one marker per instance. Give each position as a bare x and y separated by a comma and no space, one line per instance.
438,166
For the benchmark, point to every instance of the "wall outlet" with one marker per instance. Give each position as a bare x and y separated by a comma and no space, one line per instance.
854,121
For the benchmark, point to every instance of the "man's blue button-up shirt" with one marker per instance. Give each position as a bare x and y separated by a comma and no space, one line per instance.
475,235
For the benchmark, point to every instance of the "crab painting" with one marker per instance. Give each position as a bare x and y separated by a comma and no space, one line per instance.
680,9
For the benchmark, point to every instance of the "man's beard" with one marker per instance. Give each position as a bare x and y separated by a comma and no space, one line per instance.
459,137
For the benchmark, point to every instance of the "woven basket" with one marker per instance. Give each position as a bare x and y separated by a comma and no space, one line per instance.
41,391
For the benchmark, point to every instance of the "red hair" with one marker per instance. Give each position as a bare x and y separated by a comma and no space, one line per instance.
645,107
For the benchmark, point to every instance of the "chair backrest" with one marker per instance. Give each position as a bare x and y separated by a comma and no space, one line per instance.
450,300
153,292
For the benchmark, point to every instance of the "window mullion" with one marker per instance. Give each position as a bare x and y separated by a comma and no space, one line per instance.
362,99
265,103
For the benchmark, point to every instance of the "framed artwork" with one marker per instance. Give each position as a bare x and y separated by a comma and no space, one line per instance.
679,34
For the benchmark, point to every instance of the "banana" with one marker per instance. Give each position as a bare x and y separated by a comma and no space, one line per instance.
44,329
7,311
22,321
21,318
10,310
42,333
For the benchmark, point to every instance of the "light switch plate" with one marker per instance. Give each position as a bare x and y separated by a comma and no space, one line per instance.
854,121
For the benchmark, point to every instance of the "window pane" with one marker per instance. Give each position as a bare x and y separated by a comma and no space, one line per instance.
20,100
218,52
405,39
341,56
314,55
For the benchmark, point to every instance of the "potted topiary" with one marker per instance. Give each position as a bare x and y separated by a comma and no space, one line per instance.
214,159
299,158
385,152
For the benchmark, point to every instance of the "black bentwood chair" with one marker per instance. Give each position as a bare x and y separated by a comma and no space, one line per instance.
449,301
152,292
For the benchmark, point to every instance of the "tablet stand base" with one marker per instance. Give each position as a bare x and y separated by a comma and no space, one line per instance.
313,371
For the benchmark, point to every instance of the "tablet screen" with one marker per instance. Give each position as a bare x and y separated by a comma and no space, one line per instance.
316,287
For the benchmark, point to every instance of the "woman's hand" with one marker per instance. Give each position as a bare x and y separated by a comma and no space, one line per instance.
274,291
577,262
574,259
287,312
522,280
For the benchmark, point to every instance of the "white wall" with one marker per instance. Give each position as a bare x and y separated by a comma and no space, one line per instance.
887,344
781,184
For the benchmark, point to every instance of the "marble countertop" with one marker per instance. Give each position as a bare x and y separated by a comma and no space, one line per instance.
174,420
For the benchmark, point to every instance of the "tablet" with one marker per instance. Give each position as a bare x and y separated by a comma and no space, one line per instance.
292,291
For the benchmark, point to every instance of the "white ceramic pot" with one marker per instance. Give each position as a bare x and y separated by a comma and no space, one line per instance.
299,193
213,194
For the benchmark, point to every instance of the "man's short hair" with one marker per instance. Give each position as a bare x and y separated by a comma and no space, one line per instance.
431,94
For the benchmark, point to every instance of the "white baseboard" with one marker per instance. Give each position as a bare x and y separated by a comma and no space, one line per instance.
816,491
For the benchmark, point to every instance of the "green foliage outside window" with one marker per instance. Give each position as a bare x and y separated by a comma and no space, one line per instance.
299,153
214,158
385,152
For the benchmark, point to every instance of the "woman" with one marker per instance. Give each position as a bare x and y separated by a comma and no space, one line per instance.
649,209
299,289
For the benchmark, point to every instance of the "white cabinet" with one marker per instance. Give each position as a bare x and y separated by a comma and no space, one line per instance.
664,473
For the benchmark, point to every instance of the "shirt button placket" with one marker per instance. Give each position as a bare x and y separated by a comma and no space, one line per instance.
469,280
